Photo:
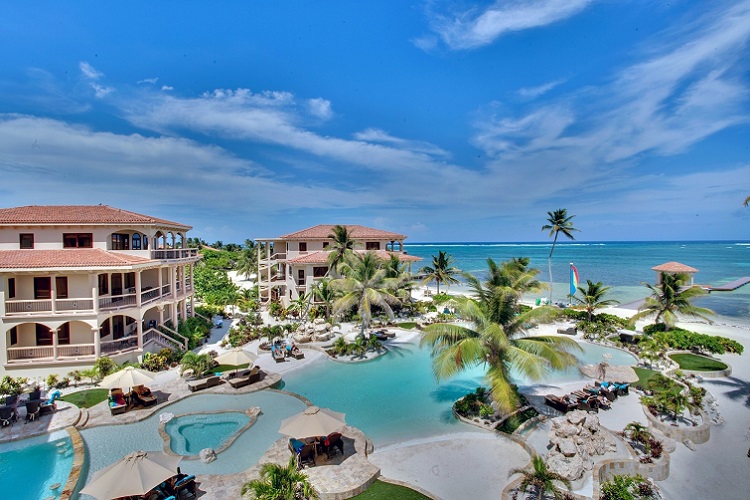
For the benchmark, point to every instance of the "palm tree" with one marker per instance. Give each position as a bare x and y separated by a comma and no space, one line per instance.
559,222
298,307
341,247
541,478
592,297
323,292
247,264
442,270
670,297
364,284
747,201
456,348
280,483
638,432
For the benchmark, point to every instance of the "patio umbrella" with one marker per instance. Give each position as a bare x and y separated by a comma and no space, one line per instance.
127,377
235,357
135,474
604,371
313,421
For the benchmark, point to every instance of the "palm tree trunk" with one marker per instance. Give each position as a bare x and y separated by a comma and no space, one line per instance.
549,262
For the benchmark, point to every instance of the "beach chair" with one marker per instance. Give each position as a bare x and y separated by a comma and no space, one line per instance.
589,404
185,487
6,416
306,455
32,410
333,442
142,395
205,383
297,353
560,404
246,378
278,354
117,401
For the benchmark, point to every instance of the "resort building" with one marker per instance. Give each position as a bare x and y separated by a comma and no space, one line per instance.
80,282
288,266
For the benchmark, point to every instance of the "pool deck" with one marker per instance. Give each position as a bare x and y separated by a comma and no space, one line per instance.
66,415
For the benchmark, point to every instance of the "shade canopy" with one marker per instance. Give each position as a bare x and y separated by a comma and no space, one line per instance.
314,421
613,373
235,357
127,377
135,474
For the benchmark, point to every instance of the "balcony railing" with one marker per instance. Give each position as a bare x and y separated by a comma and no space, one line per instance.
29,353
27,306
75,351
68,305
174,253
123,344
117,301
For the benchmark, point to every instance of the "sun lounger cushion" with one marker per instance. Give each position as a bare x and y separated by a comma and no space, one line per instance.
296,445
185,480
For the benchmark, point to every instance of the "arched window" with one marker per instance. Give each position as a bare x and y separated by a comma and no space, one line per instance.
136,240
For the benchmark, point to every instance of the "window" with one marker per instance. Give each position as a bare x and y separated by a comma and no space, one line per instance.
105,330
301,277
11,288
137,241
61,287
42,288
63,334
129,280
43,335
27,241
14,335
103,284
326,244
78,240
372,245
120,241
145,242
303,247
319,272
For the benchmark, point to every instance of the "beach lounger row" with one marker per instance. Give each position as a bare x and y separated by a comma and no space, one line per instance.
590,398
246,377
204,383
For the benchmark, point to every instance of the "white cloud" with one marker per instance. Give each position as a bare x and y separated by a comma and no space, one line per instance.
380,136
167,87
89,71
475,28
539,90
101,91
151,81
320,108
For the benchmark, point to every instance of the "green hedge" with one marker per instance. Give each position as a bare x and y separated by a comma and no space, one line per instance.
677,338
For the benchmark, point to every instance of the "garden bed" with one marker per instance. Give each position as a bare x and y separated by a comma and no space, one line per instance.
694,362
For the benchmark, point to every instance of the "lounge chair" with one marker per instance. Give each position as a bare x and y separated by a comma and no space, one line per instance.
306,455
185,484
621,388
559,403
142,395
32,410
6,416
297,353
205,383
118,403
333,442
588,404
278,354
12,401
245,378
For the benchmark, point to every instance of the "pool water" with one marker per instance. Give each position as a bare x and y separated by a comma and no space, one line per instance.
396,398
29,468
189,434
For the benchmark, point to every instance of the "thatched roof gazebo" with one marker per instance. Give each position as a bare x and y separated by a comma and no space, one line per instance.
674,268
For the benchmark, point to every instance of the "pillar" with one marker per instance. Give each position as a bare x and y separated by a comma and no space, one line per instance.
97,342
53,293
53,331
139,332
138,288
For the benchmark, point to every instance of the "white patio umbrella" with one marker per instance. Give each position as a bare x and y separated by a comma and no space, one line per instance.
127,377
313,421
235,357
135,474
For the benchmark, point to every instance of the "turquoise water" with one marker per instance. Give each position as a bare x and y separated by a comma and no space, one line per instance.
189,434
622,265
30,467
396,398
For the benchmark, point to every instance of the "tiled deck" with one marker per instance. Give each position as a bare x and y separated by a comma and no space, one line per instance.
65,416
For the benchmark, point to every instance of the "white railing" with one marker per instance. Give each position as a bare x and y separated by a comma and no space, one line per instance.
123,344
27,306
150,295
174,253
74,351
29,353
68,305
117,301
159,338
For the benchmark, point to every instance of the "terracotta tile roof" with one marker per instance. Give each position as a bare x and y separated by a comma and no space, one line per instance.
674,267
78,214
322,231
321,257
76,258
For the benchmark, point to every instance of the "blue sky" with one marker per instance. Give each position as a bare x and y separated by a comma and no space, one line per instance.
447,121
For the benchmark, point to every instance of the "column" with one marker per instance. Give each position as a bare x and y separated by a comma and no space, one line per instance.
53,293
161,284
139,332
192,306
97,342
173,280
95,292
138,288
161,314
53,331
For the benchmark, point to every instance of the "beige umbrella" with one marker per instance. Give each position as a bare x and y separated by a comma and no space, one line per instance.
313,421
128,377
604,371
135,474
235,357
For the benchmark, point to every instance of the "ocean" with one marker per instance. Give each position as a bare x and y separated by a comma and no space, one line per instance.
624,266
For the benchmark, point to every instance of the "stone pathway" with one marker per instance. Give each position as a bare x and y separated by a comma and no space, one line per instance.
66,415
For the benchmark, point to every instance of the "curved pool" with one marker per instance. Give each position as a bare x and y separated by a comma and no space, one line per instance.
37,467
189,434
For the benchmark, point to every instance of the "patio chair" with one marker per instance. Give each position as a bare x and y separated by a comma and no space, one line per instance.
117,401
246,378
35,395
12,401
142,395
561,404
32,410
333,442
185,486
622,388
589,404
278,354
306,455
6,416
297,353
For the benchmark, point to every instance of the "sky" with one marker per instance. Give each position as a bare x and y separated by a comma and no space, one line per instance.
443,121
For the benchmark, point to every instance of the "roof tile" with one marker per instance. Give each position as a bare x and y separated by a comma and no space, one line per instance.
322,231
77,214
321,257
66,258
674,267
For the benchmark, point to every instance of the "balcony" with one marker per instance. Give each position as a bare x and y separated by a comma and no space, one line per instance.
175,254
70,352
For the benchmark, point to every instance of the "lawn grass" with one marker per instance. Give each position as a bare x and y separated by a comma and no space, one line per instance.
407,325
698,363
644,375
87,398
513,422
380,490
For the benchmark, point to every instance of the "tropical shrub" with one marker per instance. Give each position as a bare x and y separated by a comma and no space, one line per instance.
677,338
213,286
10,386
154,362
52,380
197,363
195,329
627,488
104,366
209,310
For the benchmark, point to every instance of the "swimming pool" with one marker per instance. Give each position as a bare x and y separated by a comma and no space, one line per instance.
189,434
30,468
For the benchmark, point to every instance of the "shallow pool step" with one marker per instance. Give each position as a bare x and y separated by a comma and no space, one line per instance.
83,419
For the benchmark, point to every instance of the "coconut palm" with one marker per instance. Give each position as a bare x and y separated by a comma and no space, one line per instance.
669,298
558,222
747,201
247,264
442,270
638,432
397,270
342,246
280,483
541,478
298,307
457,347
592,297
364,284
323,292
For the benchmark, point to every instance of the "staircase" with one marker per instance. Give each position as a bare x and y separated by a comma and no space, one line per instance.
152,335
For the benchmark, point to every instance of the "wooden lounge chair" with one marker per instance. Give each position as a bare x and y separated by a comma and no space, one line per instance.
278,354
185,486
589,404
306,455
142,395
245,378
32,410
118,403
560,404
205,383
297,353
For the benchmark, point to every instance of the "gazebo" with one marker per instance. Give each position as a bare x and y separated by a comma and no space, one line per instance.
674,268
